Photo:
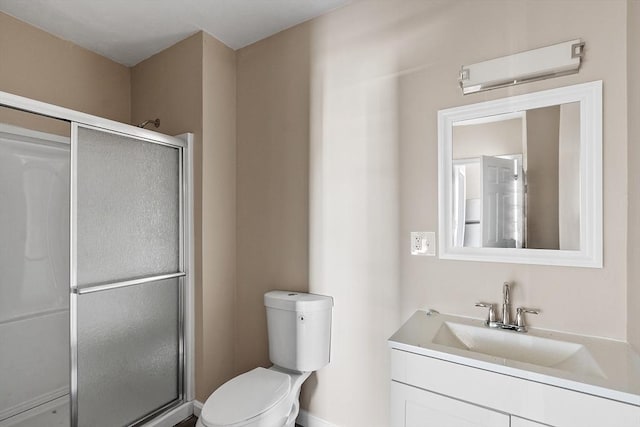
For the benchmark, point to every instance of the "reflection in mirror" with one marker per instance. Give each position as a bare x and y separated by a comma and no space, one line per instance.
516,179
520,178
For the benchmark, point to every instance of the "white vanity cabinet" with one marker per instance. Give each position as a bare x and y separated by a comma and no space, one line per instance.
427,391
452,371
414,407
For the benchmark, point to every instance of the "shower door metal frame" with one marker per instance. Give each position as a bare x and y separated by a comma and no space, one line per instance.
183,406
77,290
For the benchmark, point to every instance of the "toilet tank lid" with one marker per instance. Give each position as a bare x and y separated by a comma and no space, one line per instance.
297,301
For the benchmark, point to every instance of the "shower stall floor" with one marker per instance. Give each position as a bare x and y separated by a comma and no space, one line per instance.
50,414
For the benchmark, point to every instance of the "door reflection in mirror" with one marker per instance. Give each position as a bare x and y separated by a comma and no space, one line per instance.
516,179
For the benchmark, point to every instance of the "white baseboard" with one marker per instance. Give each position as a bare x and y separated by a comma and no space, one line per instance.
305,419
197,408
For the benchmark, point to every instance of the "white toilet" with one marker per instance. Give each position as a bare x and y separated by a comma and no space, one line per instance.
299,328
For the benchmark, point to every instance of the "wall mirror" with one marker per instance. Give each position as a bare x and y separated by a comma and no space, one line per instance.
520,178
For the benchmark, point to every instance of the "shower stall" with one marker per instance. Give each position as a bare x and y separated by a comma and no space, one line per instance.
96,289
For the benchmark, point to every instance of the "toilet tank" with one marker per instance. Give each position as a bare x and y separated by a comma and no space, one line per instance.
299,326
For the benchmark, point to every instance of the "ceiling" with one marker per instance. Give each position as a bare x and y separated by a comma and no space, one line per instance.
129,31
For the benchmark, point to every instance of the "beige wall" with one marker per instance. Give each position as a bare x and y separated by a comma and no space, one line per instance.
569,177
633,71
218,217
487,139
360,89
273,176
543,137
38,65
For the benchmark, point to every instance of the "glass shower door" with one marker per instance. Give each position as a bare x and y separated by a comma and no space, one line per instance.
126,277
34,267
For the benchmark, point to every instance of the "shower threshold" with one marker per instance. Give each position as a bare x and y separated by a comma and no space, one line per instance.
51,414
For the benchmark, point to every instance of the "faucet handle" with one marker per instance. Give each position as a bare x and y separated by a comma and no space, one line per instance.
506,291
520,311
491,316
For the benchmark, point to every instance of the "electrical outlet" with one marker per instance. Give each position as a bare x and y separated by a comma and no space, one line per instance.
423,243
416,242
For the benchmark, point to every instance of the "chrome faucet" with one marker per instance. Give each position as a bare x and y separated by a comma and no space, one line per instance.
505,323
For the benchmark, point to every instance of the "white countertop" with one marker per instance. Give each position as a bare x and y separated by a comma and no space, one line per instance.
619,363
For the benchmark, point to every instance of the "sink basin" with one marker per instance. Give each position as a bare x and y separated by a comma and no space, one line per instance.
520,347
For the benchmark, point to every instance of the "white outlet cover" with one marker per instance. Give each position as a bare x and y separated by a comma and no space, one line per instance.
423,243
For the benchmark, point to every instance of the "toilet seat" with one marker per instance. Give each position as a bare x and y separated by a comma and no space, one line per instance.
246,397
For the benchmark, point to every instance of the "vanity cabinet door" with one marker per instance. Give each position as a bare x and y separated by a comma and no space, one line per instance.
521,422
415,407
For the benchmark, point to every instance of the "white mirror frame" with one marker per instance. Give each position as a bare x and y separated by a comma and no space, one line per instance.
590,254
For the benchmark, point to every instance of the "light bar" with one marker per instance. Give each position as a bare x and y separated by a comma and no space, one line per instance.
551,61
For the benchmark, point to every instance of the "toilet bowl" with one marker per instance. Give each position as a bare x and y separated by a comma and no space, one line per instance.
299,327
258,398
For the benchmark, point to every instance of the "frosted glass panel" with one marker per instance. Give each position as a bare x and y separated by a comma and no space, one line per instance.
34,267
128,208
127,352
34,223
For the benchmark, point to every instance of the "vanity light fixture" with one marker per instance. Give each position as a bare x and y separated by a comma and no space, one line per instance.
537,64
